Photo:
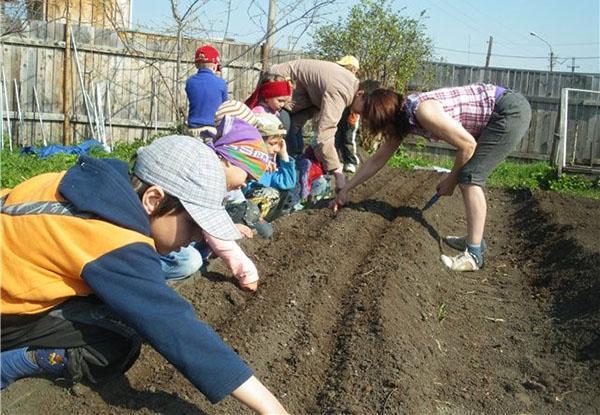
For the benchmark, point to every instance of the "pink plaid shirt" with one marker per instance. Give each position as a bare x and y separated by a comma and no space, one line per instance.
471,106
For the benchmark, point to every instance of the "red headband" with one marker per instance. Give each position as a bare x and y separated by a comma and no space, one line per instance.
269,90
275,89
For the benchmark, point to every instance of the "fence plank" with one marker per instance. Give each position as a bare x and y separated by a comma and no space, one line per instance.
38,57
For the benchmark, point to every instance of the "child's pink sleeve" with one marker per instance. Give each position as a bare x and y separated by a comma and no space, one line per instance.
236,260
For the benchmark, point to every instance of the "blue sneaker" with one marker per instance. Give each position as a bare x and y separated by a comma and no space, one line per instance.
460,243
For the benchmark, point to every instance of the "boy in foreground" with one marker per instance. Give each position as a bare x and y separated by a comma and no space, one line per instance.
77,303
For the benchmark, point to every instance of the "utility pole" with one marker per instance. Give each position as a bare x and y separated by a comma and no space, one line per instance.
572,66
266,48
67,135
489,52
551,60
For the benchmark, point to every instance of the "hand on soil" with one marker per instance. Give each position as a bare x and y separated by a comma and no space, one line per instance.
340,200
250,287
244,230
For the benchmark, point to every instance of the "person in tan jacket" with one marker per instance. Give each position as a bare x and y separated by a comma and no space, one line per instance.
327,89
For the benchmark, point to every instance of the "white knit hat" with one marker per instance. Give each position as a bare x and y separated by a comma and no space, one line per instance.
235,109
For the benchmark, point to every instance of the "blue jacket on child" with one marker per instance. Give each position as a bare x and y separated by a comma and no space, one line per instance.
205,92
284,178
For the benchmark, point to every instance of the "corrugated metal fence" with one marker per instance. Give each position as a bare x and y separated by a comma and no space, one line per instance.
543,90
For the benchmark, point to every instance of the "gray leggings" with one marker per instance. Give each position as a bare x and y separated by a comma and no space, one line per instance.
507,126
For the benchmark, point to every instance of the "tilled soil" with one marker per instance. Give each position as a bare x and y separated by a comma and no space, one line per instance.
357,315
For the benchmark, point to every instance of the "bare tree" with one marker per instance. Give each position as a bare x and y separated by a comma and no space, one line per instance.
186,25
183,20
15,14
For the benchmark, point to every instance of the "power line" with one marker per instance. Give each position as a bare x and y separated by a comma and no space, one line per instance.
455,17
553,44
508,56
497,24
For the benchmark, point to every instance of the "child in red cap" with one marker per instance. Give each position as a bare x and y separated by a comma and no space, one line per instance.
205,91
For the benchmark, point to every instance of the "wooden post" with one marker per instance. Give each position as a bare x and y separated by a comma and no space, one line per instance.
264,56
5,98
559,154
266,47
67,77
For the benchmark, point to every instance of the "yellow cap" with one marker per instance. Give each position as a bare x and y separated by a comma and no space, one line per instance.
349,60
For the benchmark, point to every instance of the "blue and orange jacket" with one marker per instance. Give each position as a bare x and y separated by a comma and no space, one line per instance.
85,231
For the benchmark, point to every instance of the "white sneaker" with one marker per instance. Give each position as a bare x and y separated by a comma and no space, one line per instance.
461,262
350,168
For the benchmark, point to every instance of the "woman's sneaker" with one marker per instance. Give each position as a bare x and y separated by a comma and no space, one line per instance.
460,243
462,262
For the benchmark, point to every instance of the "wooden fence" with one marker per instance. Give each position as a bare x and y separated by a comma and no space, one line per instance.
135,75
137,69
543,90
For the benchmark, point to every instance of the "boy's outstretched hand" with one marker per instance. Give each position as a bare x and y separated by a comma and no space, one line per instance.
341,198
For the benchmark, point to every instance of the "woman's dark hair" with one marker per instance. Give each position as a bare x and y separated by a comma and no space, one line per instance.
368,86
169,204
384,113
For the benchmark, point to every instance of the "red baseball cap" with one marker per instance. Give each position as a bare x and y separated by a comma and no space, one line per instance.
207,54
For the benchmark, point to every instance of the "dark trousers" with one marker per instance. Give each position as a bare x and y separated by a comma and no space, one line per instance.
97,343
294,138
346,140
504,131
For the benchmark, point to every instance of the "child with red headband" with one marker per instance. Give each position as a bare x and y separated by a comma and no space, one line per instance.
271,95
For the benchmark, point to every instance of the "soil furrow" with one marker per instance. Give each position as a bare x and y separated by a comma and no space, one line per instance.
356,314
300,347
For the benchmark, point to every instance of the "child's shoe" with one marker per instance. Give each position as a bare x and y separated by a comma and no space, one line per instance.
264,229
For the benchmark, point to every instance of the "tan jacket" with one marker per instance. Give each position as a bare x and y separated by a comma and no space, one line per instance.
330,88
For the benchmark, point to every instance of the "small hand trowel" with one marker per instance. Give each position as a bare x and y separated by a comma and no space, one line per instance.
431,202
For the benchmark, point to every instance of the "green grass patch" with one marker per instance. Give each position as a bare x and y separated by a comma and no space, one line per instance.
513,175
15,168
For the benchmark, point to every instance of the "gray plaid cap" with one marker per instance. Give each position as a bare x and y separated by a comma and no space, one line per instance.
189,170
